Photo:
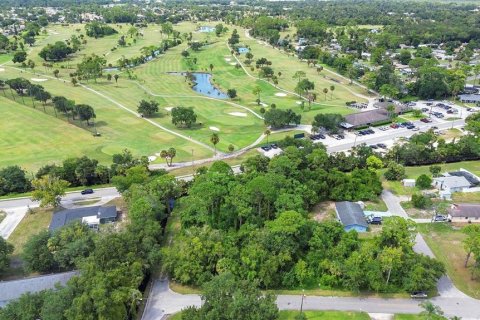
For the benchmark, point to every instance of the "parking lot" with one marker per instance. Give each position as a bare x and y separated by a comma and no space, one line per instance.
437,115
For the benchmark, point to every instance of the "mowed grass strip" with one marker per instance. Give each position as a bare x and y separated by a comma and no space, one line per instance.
447,245
312,315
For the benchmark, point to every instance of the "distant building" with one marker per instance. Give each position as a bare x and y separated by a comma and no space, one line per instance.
372,117
455,181
464,212
351,215
469,98
92,216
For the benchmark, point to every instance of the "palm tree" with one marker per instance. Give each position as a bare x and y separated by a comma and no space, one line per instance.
211,67
2,86
431,311
332,88
214,139
267,133
319,69
256,91
325,91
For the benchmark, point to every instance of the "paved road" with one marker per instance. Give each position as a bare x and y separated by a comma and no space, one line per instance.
10,290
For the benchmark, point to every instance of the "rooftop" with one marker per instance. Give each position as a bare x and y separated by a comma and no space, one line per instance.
452,182
61,218
465,210
350,213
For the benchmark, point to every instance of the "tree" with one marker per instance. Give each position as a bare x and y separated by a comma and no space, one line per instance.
56,51
12,180
395,171
133,175
267,134
231,147
431,311
116,78
183,117
471,243
210,67
329,121
405,56
231,93
168,155
6,249
423,182
19,57
36,255
391,111
374,163
473,123
56,72
420,201
332,88
299,75
304,86
278,118
215,139
85,112
48,190
91,67
256,91
325,91
236,300
435,170
147,109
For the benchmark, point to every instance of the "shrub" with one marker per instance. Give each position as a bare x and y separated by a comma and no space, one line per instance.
423,182
420,201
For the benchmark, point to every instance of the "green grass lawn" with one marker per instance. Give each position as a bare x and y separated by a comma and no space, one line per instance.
312,315
446,243
407,317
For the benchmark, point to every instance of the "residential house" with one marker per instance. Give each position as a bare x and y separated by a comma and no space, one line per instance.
456,181
464,213
92,216
351,215
469,98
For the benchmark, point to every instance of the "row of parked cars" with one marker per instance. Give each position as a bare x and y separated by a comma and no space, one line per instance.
378,145
365,132
315,137
270,147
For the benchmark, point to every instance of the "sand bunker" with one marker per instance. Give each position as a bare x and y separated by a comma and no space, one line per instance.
38,80
228,59
281,94
233,63
214,129
168,108
152,158
238,114
2,69
263,104
298,102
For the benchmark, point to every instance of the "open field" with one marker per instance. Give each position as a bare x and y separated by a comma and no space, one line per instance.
115,104
446,243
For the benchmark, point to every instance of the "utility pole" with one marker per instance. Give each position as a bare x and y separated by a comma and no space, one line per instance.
301,304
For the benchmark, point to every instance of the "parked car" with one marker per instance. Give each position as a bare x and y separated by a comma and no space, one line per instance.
394,126
376,220
382,145
419,295
439,218
274,146
266,148
373,146
415,128
321,136
426,120
87,191
425,109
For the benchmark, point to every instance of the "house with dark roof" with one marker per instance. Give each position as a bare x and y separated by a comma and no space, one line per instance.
372,117
92,216
351,215
464,213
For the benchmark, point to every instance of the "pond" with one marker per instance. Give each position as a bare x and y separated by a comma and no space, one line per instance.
203,85
243,50
206,29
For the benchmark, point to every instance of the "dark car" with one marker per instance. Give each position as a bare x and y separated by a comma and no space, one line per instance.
373,146
425,109
87,191
274,146
376,220
321,136
266,148
382,145
426,120
419,295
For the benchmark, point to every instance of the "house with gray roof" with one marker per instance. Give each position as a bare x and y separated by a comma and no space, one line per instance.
469,98
92,216
351,215
456,181
464,213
